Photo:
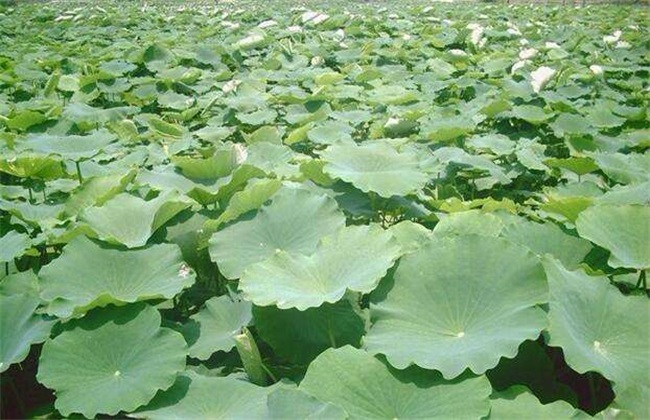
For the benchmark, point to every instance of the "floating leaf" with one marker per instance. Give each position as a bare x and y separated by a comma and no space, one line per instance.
355,258
623,230
459,303
129,220
518,403
365,388
20,327
287,403
375,166
597,327
112,360
88,275
286,224
216,326
13,245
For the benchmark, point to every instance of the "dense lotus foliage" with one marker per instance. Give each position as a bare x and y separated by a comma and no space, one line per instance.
340,210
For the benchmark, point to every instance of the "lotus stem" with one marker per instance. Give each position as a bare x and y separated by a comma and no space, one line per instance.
81,180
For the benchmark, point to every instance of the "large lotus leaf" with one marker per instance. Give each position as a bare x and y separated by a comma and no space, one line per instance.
286,403
96,191
471,222
597,327
287,223
410,235
112,360
623,230
216,166
300,336
365,388
375,166
459,303
71,147
195,396
213,329
13,245
130,220
88,275
24,282
624,168
634,399
256,192
519,403
547,238
355,258
20,327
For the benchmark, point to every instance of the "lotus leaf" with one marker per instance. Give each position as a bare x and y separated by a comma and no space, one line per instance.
287,223
88,275
375,166
355,258
458,303
597,327
623,230
112,360
20,327
365,388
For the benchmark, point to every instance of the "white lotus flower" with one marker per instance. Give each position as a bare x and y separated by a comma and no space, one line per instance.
406,37
552,45
240,153
527,53
622,44
393,16
457,52
314,17
596,69
514,31
230,85
317,60
523,41
339,35
519,64
610,39
477,33
267,24
294,28
540,77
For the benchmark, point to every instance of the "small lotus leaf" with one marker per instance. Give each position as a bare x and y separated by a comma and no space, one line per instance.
88,275
13,244
355,258
365,388
287,223
623,230
459,303
112,360
518,403
375,166
216,326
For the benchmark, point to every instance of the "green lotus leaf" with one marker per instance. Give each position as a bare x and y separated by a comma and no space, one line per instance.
365,388
70,147
252,197
173,100
518,403
577,165
129,220
20,327
601,117
355,258
195,396
32,166
213,329
633,399
112,360
375,166
88,275
624,168
597,327
164,128
410,235
627,194
79,112
257,118
213,134
623,230
25,119
287,223
285,403
391,95
96,191
24,282
458,303
216,166
531,113
568,124
547,238
471,222
300,336
13,245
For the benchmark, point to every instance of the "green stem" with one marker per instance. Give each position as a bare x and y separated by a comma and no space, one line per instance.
642,282
31,196
81,179
268,372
